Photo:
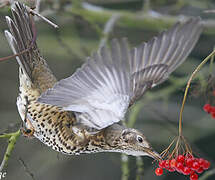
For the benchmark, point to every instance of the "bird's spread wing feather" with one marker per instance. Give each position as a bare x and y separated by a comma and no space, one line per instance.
99,89
159,57
113,79
22,37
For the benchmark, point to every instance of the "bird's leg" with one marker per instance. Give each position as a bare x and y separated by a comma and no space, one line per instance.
29,131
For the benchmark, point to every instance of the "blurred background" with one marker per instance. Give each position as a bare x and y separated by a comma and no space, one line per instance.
81,31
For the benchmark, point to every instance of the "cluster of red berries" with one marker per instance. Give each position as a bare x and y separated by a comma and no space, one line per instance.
210,109
184,164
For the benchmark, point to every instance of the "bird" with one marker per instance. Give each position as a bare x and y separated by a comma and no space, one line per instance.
84,113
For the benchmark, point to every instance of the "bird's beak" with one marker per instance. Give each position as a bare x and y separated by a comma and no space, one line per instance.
153,154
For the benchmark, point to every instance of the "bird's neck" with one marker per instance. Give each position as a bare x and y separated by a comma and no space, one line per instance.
108,138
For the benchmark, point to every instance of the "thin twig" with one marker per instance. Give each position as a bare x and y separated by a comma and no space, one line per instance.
26,168
207,174
151,21
37,8
108,28
140,169
77,4
34,30
14,55
12,141
124,158
134,113
211,64
188,86
209,11
42,17
146,6
166,151
10,127
124,167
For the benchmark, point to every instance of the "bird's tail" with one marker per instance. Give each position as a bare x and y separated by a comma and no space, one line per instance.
22,40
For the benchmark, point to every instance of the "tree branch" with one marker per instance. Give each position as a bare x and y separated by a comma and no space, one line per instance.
124,167
27,170
140,168
42,17
108,28
150,21
207,174
11,144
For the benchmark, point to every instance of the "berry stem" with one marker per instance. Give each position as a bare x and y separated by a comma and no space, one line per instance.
187,146
187,88
166,151
211,64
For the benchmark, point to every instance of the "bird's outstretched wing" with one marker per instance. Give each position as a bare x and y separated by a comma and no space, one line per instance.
154,61
22,37
113,79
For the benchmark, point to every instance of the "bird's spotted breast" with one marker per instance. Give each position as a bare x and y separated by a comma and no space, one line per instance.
51,125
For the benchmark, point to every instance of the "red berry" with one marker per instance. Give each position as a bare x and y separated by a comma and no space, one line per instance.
162,163
206,164
186,171
180,158
179,167
212,109
189,162
194,176
201,161
167,165
195,166
207,108
158,171
213,115
200,170
171,169
173,163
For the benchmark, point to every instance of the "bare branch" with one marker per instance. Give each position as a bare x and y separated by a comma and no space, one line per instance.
146,6
209,11
26,168
140,168
12,141
124,167
151,21
42,17
35,12
37,9
108,28
25,50
207,174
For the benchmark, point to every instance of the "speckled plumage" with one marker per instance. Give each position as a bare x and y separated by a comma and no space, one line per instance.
52,125
81,114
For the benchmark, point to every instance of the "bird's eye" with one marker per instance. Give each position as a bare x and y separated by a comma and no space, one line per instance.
139,139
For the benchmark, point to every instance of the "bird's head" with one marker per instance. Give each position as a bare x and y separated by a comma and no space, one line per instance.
129,141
